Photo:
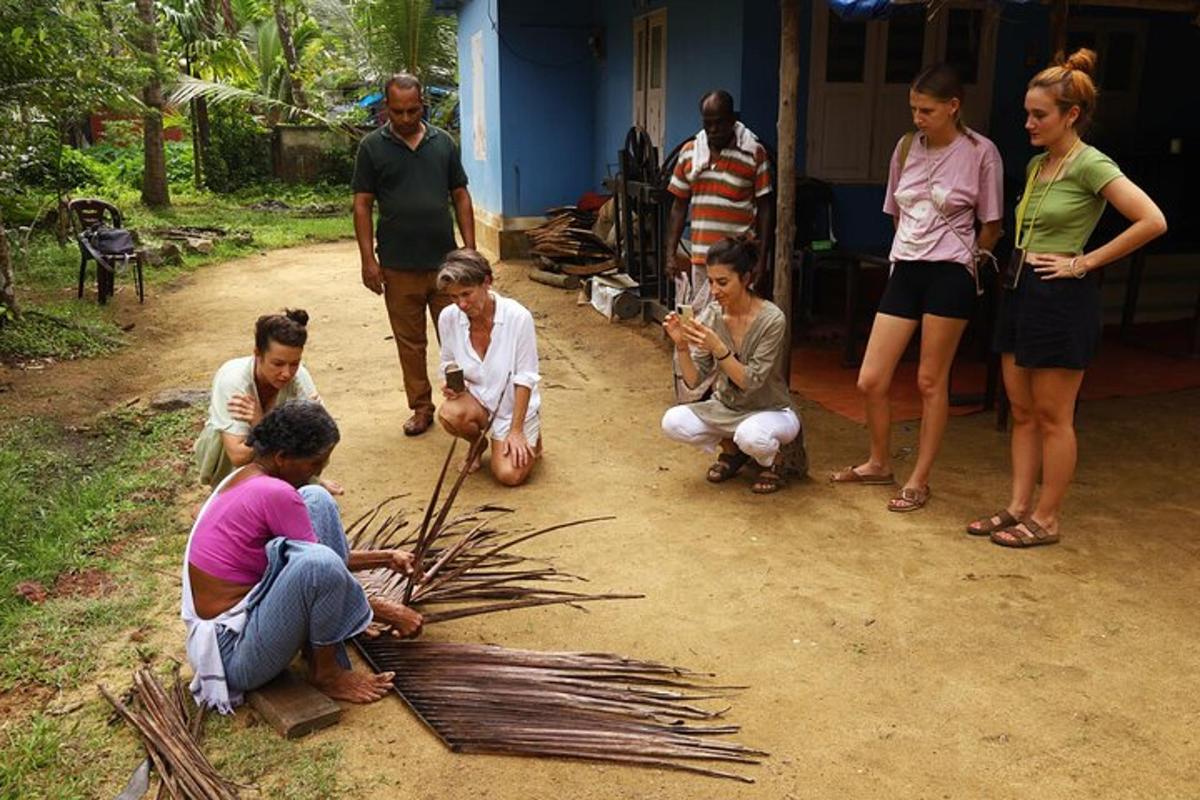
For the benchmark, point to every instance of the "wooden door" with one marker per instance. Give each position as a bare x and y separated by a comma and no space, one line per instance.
650,74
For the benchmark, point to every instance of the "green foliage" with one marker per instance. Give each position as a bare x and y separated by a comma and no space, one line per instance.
43,757
239,155
408,35
61,331
64,497
113,168
247,756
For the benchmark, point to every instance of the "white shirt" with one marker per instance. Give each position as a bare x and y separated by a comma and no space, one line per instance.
236,376
511,360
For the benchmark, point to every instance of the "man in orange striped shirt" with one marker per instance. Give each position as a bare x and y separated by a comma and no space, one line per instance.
724,176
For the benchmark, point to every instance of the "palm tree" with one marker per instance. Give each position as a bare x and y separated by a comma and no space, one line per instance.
407,35
155,191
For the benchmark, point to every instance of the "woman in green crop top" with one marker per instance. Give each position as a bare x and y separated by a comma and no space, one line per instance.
1050,322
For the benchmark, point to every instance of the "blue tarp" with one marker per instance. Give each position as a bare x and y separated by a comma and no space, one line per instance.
860,9
875,9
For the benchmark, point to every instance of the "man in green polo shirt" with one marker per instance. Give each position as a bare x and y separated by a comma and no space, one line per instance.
415,172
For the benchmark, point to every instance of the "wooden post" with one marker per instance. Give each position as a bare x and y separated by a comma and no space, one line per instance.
1058,29
785,208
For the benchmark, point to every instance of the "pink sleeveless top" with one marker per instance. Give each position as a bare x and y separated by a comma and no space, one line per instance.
231,538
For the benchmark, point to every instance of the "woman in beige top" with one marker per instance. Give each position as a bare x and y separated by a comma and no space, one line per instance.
741,336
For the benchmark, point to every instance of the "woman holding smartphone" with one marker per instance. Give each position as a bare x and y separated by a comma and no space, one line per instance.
740,338
1050,318
488,342
944,180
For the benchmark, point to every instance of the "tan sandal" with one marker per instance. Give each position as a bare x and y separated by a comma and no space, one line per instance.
909,500
985,527
768,481
851,475
1026,533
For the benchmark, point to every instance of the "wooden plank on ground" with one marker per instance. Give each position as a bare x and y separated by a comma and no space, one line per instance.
293,707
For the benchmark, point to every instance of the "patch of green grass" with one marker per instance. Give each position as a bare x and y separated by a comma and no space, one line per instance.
61,331
55,758
46,272
64,498
45,266
293,770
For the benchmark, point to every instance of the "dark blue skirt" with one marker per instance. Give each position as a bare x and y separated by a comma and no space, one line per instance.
1050,324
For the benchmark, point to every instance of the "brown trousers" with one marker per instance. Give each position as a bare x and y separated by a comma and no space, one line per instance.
408,294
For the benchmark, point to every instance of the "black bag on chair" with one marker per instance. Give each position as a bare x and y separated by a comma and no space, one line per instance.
111,241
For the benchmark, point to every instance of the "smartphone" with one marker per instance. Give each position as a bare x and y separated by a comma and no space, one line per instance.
454,378
685,311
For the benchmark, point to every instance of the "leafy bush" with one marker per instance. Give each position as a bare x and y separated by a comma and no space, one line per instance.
239,153
114,167
337,165
41,162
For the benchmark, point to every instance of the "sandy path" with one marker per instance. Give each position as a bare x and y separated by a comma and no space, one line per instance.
887,655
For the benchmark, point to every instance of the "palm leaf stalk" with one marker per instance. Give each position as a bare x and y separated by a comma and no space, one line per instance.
465,559
188,88
591,706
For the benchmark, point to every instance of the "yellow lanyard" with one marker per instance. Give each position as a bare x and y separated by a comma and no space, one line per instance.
1029,190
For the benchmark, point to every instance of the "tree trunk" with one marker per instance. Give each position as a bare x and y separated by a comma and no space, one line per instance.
8,287
289,54
155,192
785,210
203,136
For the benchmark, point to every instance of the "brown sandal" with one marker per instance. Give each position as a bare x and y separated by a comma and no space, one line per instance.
851,475
726,466
1026,533
985,527
768,482
909,500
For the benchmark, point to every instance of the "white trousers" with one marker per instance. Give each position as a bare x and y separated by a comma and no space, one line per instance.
759,436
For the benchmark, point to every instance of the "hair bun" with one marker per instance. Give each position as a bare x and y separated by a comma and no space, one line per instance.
296,315
1083,60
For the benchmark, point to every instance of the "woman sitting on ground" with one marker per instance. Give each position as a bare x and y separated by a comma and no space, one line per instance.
741,336
491,339
267,572
246,388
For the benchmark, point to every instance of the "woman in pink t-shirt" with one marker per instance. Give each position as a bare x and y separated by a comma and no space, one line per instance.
267,572
944,180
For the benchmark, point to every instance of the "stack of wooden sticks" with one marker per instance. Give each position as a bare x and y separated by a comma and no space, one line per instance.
169,724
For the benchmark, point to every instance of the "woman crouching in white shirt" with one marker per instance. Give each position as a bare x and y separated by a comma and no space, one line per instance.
491,339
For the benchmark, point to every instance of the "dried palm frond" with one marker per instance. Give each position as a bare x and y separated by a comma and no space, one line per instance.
567,234
593,706
466,560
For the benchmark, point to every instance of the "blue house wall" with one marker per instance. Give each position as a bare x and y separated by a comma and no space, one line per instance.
484,176
704,51
559,93
546,90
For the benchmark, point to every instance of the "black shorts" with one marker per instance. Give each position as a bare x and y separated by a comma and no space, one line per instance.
941,288
1050,324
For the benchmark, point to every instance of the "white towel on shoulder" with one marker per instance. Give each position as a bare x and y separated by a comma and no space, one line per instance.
204,652
743,139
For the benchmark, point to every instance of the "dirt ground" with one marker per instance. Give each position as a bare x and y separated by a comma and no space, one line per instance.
886,655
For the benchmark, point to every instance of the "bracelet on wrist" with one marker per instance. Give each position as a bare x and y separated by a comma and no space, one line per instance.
1077,269
728,353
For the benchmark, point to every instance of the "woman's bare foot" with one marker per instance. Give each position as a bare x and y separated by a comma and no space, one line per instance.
473,466
353,687
867,473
